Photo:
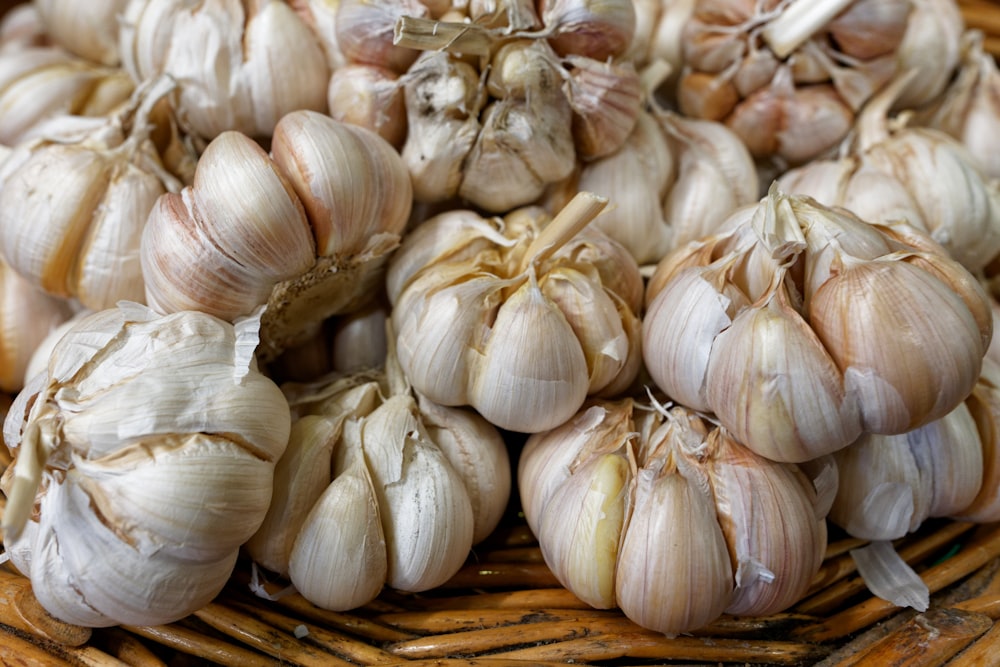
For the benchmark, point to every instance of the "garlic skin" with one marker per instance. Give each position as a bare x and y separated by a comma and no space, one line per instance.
380,487
42,82
74,206
984,405
470,295
249,42
919,175
118,531
371,97
20,28
789,77
801,327
88,30
932,47
306,230
620,482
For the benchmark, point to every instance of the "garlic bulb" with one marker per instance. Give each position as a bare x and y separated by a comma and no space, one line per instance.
38,83
20,28
801,327
521,318
788,76
143,460
671,520
984,405
73,207
540,99
893,171
86,29
27,315
379,487
249,44
969,109
658,38
931,47
321,17
674,180
306,230
371,97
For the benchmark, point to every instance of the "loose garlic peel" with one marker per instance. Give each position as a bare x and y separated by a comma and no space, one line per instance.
151,443
650,510
470,297
410,487
306,230
851,302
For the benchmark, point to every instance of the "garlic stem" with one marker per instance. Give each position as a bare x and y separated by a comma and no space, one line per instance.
429,35
800,20
873,122
777,227
576,215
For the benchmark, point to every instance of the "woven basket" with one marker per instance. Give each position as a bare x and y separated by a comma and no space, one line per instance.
505,608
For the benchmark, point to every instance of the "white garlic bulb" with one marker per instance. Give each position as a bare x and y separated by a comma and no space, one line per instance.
668,518
801,327
379,487
151,443
306,230
267,62
919,175
73,207
520,318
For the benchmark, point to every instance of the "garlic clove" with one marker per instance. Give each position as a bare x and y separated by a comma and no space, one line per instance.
525,381
606,99
364,30
343,527
371,97
89,30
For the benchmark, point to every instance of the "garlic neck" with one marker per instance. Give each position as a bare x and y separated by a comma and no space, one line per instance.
40,439
799,21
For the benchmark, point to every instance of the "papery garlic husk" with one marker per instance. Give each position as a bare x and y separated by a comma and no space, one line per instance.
306,230
606,99
969,109
365,31
410,487
849,299
668,518
891,484
598,29
371,97
86,29
151,443
321,17
38,83
74,207
27,316
788,77
520,318
248,42
918,175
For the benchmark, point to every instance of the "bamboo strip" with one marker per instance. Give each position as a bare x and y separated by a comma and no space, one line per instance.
473,642
509,555
336,643
481,662
90,656
127,648
926,640
20,609
15,650
657,647
264,638
983,16
982,652
538,598
974,555
457,620
494,575
198,644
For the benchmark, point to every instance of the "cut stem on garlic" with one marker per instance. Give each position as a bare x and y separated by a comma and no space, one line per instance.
572,218
799,22
452,36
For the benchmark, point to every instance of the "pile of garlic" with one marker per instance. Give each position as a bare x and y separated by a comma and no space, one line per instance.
435,222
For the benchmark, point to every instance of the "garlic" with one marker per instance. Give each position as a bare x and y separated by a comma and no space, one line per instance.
321,17
365,30
620,482
88,30
143,460
72,208
20,28
969,109
984,405
922,176
674,180
379,487
306,231
371,97
788,76
28,315
247,42
520,318
42,82
598,29
801,327
932,48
